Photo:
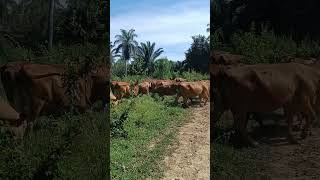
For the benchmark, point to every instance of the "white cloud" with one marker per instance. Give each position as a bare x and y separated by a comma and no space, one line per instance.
168,27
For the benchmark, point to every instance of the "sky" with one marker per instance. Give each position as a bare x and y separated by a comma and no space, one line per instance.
168,23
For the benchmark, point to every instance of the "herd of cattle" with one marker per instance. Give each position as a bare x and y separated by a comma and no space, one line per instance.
177,87
40,89
292,86
36,89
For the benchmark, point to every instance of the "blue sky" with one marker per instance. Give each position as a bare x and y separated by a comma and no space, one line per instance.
168,23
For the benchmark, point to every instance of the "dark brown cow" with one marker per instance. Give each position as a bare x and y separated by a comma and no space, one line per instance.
48,92
265,88
298,60
9,77
141,88
226,58
120,89
15,120
14,85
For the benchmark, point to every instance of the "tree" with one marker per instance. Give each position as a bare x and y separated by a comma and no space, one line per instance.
197,56
50,24
162,69
113,53
127,44
148,54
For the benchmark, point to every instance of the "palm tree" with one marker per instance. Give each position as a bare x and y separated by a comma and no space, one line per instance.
113,53
127,44
147,53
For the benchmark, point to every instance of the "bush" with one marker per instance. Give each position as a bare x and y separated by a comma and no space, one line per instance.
55,145
194,76
162,69
267,47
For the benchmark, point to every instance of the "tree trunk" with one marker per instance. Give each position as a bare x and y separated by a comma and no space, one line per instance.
126,73
50,25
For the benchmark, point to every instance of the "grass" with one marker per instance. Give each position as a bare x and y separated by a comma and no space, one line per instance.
150,129
69,147
228,162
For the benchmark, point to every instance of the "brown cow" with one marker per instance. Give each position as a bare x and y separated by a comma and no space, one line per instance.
164,87
14,85
192,89
180,80
9,77
141,88
48,93
15,120
206,83
120,89
113,98
265,88
226,58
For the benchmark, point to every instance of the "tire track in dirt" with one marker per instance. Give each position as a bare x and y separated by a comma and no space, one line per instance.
191,157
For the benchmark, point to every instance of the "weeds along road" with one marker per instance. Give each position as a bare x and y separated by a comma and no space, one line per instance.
191,156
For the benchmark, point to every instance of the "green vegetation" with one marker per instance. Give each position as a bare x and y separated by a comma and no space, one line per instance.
142,128
265,46
68,147
145,58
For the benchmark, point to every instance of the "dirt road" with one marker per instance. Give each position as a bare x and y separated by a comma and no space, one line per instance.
190,159
296,161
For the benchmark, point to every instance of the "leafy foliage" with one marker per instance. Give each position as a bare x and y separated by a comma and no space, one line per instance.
56,145
265,46
197,56
162,69
147,53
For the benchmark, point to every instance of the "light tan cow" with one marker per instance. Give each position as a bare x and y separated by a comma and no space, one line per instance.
189,90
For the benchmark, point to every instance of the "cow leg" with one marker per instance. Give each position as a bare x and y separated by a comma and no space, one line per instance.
177,99
289,118
311,115
185,101
241,122
37,106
